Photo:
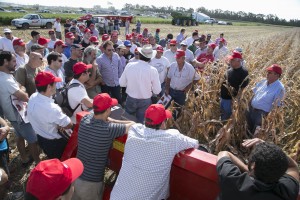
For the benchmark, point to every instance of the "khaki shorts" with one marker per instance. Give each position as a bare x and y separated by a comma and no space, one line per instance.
87,190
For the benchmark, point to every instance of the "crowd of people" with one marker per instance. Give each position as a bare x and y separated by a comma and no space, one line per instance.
100,72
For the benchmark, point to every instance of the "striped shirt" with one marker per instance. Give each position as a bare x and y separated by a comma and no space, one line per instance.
110,69
95,138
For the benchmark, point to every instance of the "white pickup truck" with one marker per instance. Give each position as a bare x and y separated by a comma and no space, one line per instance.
33,20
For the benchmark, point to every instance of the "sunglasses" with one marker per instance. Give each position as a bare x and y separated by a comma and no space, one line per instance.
95,43
60,61
172,45
6,33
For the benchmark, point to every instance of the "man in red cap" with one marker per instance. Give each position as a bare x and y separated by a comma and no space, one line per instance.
221,38
59,48
57,28
268,94
85,42
206,57
181,76
170,53
52,40
52,179
236,77
94,30
149,152
96,134
44,42
157,38
105,37
115,37
78,97
46,117
162,65
145,33
69,40
221,51
20,51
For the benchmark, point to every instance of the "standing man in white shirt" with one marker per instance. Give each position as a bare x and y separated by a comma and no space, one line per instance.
148,156
35,37
162,65
170,53
57,28
191,39
78,97
52,40
221,51
47,117
141,80
6,42
55,64
20,51
180,79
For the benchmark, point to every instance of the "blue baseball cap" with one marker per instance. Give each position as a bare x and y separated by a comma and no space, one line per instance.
127,43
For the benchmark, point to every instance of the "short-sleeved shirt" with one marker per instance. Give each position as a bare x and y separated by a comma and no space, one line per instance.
147,161
265,95
51,44
29,44
220,53
57,26
21,61
25,75
8,86
181,79
68,68
6,45
189,56
199,51
162,66
95,138
75,96
170,55
236,185
45,116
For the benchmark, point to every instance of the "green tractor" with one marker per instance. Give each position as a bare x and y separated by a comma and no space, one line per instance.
183,19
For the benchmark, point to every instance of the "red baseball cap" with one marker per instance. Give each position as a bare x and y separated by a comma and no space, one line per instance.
92,25
80,67
212,45
70,35
222,40
103,101
59,43
157,30
18,42
145,29
140,36
46,78
128,36
50,31
105,37
145,40
43,41
87,30
275,68
179,53
160,48
81,26
133,34
157,114
94,39
51,178
234,55
173,42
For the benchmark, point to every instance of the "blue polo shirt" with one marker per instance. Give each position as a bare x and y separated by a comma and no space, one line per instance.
265,95
67,51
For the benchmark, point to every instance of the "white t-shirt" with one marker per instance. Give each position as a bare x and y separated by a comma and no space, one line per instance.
170,56
189,40
51,44
8,86
21,61
162,66
6,45
189,56
199,51
57,26
75,96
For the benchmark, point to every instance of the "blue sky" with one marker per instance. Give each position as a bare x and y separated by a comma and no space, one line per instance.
288,9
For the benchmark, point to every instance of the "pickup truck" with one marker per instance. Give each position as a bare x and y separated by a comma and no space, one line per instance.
33,20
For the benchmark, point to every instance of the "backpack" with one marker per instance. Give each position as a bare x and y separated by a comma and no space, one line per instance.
61,99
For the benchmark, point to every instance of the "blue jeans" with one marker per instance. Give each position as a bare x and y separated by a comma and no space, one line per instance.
179,98
137,107
163,87
226,109
254,118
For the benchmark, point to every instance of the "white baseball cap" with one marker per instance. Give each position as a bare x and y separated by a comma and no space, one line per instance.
7,30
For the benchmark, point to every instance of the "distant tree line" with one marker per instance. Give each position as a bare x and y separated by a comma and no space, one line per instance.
218,13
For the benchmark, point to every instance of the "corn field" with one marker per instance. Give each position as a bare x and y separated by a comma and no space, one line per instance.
200,117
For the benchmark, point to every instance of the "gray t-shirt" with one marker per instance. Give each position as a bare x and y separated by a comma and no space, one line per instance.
95,138
8,86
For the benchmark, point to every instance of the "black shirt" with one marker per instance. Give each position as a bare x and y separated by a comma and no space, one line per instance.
84,44
236,79
68,67
128,56
235,185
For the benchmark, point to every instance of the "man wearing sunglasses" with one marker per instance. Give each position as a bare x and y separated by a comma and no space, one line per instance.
6,41
170,53
55,62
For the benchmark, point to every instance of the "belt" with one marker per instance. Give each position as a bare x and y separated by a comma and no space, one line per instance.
258,110
177,90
